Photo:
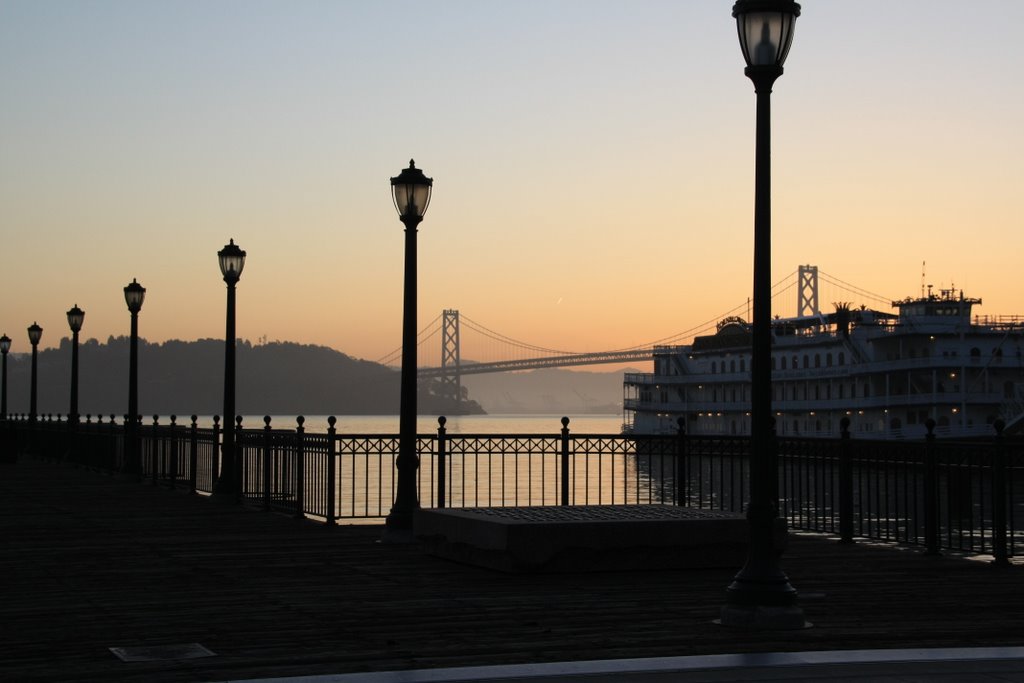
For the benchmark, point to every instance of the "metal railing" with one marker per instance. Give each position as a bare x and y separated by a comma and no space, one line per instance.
965,496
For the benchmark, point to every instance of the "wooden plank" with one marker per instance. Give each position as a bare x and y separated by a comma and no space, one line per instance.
89,561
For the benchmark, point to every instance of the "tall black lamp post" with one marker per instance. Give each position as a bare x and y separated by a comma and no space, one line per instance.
134,294
5,346
35,333
76,316
411,191
232,260
761,596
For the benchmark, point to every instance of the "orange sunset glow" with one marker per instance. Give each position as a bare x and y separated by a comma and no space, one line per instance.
592,163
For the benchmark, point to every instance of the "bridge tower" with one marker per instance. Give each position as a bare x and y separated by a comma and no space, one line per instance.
807,291
451,378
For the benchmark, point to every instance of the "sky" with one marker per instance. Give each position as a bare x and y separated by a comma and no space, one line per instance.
592,162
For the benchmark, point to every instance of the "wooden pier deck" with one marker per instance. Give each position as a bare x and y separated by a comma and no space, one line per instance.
90,561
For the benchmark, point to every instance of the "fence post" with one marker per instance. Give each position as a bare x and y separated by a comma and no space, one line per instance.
681,462
72,451
268,470
999,554
845,483
215,457
300,468
154,442
565,461
115,438
174,451
442,480
193,454
931,492
129,461
238,454
331,469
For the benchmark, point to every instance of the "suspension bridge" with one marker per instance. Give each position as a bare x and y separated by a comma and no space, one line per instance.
447,335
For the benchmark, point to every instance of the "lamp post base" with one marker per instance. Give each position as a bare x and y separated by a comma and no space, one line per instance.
760,596
398,529
763,618
223,488
226,497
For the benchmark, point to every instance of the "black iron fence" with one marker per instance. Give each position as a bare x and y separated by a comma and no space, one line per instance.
938,494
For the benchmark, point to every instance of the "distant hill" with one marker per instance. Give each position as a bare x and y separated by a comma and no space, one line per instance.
184,378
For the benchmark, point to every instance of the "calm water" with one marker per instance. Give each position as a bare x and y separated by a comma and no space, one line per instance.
459,424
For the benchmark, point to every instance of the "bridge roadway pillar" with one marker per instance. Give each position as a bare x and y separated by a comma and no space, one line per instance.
807,291
451,377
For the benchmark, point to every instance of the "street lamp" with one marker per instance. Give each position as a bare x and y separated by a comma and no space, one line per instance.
134,294
232,260
5,346
35,333
76,316
411,191
760,595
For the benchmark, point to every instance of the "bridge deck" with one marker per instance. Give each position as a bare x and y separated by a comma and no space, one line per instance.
89,561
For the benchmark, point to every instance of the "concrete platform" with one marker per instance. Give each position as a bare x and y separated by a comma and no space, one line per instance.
584,538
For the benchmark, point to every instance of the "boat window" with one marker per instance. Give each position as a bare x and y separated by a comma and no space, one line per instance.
975,352
773,362
783,362
828,360
807,361
817,360
732,366
796,362
743,364
714,367
842,358
998,353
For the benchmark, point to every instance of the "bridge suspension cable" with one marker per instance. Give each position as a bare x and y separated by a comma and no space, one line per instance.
428,331
497,336
711,323
853,289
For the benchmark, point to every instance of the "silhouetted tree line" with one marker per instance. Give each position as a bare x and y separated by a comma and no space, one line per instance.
182,378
